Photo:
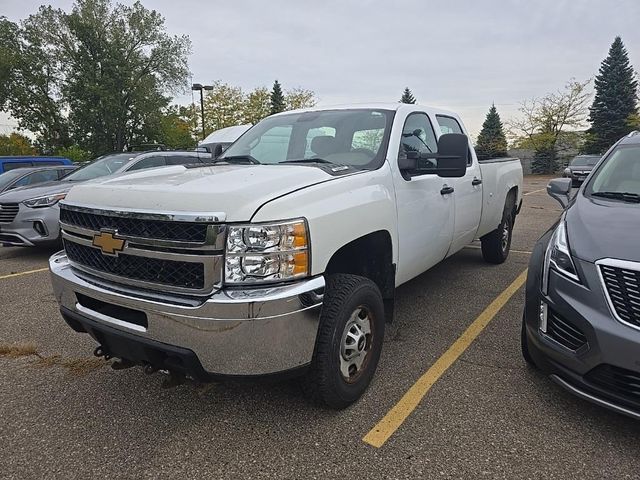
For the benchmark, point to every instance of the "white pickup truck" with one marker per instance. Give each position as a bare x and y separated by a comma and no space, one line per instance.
283,256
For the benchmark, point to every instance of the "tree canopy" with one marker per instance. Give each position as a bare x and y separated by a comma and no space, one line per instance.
614,109
492,141
407,96
97,76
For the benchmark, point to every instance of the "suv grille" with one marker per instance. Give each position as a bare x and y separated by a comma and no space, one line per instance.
564,332
623,287
8,212
135,227
616,380
154,270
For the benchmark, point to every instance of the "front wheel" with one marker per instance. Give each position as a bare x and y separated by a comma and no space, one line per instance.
349,341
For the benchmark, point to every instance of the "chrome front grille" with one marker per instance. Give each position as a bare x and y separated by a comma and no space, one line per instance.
621,281
174,253
8,212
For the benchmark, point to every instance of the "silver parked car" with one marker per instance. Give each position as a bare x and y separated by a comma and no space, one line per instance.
29,216
27,177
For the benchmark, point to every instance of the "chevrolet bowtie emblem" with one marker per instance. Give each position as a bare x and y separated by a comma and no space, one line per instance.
108,242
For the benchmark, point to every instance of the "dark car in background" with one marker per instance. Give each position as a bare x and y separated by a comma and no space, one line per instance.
579,168
582,313
30,216
9,163
27,177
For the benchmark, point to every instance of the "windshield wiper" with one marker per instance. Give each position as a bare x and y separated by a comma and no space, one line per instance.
238,159
625,196
309,160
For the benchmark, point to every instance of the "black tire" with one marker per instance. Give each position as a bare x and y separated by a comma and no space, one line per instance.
344,296
524,345
495,247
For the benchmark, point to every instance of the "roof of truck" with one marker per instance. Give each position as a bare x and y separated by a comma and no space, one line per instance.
379,106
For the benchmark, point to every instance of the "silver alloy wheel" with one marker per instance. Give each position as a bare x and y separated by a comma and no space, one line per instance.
505,236
355,344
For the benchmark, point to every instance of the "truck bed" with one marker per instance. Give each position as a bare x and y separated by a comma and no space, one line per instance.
499,175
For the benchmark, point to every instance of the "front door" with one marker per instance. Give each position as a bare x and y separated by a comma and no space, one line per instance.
425,208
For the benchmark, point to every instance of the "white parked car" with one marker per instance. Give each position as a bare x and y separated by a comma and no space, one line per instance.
284,255
223,137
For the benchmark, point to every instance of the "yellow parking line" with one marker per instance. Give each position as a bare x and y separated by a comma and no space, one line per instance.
535,191
386,427
24,273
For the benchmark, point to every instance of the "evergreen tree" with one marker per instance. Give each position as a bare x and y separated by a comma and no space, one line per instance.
491,140
614,105
407,96
278,103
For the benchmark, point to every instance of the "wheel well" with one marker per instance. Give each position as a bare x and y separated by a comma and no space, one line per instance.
370,256
513,195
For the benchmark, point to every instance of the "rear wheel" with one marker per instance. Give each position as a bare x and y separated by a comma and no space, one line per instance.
349,341
496,244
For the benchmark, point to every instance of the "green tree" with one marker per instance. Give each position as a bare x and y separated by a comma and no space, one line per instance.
277,98
407,96
257,105
615,102
95,76
492,141
543,121
223,106
297,98
16,144
74,153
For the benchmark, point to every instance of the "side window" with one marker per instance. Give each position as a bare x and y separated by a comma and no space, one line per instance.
13,165
40,177
451,125
417,135
182,160
273,145
148,162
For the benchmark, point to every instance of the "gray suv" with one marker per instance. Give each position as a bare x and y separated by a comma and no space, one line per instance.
582,314
29,216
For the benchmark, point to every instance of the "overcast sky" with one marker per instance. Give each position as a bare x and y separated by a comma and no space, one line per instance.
461,54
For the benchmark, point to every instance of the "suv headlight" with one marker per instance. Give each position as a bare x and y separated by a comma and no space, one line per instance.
558,256
46,201
267,252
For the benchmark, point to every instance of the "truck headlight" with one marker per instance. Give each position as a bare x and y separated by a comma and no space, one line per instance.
267,252
46,201
558,256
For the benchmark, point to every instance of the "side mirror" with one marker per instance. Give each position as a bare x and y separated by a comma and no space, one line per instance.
451,158
559,189
452,151
217,151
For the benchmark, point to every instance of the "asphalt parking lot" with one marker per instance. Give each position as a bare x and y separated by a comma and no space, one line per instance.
65,414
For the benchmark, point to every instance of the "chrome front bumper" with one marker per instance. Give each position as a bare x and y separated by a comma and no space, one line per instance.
254,331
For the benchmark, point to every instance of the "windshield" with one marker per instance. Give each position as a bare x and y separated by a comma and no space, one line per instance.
584,161
99,168
620,173
8,177
355,138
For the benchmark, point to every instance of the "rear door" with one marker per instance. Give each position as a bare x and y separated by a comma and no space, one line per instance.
424,204
468,192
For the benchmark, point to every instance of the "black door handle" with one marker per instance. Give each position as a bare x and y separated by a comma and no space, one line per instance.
476,181
446,190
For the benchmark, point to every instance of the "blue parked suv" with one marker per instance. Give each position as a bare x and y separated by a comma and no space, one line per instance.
10,163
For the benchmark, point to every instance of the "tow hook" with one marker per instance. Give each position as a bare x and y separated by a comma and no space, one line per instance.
101,352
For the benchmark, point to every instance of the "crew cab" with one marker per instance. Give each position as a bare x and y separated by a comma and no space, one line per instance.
283,255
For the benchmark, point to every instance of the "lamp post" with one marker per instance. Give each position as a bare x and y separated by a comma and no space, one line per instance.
201,88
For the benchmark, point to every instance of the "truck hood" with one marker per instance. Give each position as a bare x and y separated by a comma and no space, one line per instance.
599,228
234,192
